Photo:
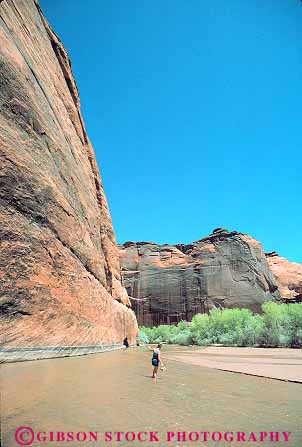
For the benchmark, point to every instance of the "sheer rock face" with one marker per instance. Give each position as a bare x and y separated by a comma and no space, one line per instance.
288,275
225,269
59,271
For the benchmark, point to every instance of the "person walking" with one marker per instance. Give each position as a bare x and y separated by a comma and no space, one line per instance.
156,360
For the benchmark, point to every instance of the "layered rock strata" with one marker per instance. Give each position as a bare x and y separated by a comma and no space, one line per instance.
288,275
60,279
167,283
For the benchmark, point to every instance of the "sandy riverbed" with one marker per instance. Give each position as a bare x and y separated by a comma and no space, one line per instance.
114,392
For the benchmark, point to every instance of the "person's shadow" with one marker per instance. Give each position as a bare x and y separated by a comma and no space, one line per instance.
157,378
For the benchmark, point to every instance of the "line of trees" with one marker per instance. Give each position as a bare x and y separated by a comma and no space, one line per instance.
278,325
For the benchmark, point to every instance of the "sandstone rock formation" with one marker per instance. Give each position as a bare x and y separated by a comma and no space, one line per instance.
59,272
172,282
288,275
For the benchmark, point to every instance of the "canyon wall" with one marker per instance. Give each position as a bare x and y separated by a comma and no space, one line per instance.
168,283
59,274
288,275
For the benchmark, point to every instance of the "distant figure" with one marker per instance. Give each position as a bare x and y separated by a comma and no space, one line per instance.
156,360
126,342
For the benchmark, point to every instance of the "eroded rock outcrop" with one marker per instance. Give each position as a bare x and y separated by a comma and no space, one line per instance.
59,272
288,275
172,282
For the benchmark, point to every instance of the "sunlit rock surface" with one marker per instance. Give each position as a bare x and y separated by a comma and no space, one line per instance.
59,272
288,275
172,282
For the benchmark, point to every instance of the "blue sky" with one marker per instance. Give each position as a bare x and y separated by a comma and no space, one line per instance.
194,112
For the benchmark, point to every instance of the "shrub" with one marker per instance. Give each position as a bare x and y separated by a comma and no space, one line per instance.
295,324
280,325
200,329
276,324
182,325
142,336
183,338
230,327
159,334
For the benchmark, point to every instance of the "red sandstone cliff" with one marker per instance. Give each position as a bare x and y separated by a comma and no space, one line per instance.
288,275
174,282
59,272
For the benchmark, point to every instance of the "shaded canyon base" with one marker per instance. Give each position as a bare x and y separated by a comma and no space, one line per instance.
114,392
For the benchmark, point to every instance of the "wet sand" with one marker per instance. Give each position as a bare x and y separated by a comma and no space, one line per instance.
281,364
114,392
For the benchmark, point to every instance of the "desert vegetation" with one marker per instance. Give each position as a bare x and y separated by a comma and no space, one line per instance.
278,325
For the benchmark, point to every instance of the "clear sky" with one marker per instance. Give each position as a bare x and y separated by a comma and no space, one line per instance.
193,108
